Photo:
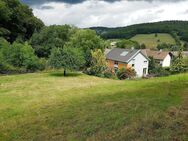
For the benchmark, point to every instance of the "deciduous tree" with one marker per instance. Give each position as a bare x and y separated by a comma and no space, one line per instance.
86,40
67,58
49,38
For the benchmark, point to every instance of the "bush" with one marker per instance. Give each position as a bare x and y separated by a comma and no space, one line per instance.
98,63
124,73
108,73
42,64
143,46
18,58
159,71
185,61
22,56
127,44
165,46
156,70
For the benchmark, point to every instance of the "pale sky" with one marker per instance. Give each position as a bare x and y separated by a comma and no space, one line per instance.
110,13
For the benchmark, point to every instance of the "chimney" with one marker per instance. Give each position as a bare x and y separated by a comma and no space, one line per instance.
160,50
132,48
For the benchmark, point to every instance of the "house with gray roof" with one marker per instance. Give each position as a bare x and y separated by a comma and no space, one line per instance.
118,58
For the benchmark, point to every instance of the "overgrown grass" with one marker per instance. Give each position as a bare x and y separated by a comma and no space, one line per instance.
50,107
151,41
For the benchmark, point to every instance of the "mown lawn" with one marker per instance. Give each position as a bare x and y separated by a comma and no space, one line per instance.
50,107
151,41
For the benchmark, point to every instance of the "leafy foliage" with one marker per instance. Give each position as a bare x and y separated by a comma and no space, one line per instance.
178,63
160,71
157,70
17,19
18,57
98,63
86,40
170,47
55,59
185,60
185,46
143,46
128,44
66,58
152,64
108,73
72,58
126,73
50,37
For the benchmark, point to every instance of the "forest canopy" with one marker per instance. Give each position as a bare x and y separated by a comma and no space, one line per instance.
17,21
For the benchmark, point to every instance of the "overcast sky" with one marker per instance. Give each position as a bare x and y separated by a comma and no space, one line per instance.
110,13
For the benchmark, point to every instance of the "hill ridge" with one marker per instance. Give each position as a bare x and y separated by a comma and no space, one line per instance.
127,32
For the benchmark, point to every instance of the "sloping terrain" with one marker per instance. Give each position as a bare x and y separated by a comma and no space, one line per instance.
152,40
50,107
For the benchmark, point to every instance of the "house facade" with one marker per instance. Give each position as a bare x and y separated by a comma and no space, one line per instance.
163,58
118,58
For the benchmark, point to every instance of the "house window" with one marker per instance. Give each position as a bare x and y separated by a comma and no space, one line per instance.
145,61
161,63
116,63
133,65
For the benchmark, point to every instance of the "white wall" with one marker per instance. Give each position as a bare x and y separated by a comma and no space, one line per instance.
140,64
166,61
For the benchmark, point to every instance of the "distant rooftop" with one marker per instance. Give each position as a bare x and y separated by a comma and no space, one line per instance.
158,55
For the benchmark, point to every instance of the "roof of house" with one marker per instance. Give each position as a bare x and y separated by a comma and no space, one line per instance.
122,55
106,51
159,55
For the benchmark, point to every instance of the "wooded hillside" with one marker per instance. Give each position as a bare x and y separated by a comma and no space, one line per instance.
171,27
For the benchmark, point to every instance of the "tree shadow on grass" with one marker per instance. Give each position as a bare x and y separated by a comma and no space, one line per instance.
61,74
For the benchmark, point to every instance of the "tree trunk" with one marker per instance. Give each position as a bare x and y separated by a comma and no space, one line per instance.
64,72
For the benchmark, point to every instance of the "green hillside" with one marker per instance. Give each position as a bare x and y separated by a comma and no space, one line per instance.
49,107
151,40
170,27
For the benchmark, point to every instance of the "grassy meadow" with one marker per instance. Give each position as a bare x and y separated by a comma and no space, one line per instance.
151,41
50,107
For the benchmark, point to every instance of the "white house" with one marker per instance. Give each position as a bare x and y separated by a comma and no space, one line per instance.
118,58
164,58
